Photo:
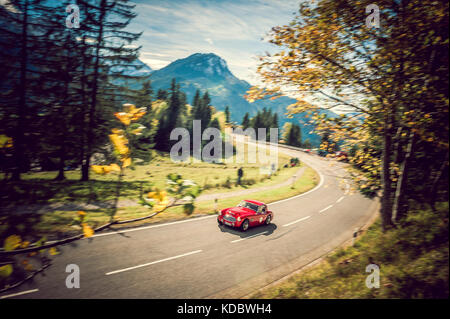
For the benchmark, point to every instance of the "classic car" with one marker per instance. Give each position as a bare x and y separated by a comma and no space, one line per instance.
248,213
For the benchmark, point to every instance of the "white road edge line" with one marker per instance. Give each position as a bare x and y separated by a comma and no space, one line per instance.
303,194
19,293
347,188
152,263
205,217
235,241
152,226
296,221
328,207
340,199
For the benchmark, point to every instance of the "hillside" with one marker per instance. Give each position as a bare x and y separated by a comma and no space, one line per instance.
210,72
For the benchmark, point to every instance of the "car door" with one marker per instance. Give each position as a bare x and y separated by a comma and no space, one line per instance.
260,215
253,218
264,214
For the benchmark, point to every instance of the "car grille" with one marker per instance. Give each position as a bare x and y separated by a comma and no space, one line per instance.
229,218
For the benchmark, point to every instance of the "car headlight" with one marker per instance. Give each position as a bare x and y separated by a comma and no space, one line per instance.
239,219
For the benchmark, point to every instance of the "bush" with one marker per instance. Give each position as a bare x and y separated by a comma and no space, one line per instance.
413,260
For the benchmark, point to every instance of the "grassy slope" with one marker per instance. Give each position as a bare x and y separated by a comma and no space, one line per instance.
39,187
59,221
413,263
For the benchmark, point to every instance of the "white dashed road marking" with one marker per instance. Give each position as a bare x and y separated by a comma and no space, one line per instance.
152,263
235,241
328,207
296,221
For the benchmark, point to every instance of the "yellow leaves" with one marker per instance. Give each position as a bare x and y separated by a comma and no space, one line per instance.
87,230
130,114
158,195
105,169
117,131
123,117
100,169
114,167
140,113
5,141
138,130
126,162
119,142
53,251
12,242
25,244
81,215
159,199
136,113
6,271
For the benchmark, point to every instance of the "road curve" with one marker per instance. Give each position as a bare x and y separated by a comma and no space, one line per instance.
197,258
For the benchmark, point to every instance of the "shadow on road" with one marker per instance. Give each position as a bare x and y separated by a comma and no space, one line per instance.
266,229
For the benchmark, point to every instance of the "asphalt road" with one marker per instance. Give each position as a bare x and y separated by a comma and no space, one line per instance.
197,258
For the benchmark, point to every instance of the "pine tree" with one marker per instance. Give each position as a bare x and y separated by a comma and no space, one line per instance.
170,120
23,40
215,124
162,95
294,137
227,114
106,21
246,121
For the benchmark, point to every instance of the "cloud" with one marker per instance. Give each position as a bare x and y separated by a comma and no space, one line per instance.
155,63
232,29
8,6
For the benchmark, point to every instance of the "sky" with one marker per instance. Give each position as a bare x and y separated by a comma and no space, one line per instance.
235,30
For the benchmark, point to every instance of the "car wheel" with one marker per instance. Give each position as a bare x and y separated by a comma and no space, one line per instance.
244,225
220,223
268,219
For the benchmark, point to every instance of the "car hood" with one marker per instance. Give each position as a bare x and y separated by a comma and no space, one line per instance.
239,211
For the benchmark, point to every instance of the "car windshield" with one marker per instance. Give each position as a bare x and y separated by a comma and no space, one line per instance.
245,204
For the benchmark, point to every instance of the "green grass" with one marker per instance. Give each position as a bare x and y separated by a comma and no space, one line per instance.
413,261
60,222
40,188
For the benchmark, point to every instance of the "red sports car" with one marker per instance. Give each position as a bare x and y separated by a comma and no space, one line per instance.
247,214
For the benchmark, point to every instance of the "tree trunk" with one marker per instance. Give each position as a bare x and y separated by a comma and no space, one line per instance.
433,190
90,135
400,205
83,107
61,164
398,146
18,139
386,202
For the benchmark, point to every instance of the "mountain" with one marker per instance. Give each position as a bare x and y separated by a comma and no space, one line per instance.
207,71
136,68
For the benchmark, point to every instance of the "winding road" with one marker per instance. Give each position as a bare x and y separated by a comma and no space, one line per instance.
197,258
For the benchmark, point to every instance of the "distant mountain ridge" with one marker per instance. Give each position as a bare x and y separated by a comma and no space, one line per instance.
207,71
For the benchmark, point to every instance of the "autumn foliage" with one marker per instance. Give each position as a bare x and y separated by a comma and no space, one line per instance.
391,82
